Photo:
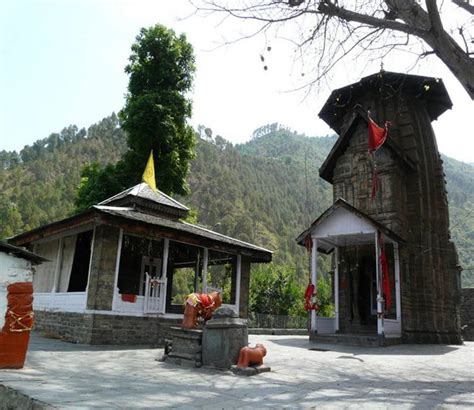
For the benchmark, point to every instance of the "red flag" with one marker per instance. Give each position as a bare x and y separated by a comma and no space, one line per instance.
385,276
377,135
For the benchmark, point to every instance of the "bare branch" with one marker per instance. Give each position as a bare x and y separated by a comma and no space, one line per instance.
329,8
464,4
324,32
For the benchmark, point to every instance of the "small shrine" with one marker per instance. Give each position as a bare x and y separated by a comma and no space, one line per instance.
120,272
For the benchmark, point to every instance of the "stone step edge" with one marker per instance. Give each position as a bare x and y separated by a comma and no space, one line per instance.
13,399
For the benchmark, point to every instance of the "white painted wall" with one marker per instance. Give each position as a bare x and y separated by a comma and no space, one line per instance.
12,269
60,302
342,222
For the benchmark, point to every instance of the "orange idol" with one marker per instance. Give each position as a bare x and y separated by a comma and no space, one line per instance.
15,333
199,306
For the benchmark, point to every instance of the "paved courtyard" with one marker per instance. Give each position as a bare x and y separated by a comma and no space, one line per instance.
406,376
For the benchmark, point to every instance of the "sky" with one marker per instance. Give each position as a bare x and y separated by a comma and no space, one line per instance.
62,62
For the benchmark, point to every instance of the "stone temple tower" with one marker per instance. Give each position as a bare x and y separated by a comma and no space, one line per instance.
411,200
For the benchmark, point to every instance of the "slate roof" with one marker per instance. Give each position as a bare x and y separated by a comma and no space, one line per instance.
342,203
21,253
139,204
428,89
143,191
134,215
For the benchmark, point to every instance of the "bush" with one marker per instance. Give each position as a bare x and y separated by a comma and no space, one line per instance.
274,290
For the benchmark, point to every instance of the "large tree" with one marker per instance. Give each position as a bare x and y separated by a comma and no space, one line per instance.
161,69
325,32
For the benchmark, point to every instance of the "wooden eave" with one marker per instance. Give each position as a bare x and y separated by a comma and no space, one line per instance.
21,253
86,218
340,202
97,216
145,229
428,90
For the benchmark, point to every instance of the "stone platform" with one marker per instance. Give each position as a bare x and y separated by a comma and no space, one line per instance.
184,347
355,339
66,375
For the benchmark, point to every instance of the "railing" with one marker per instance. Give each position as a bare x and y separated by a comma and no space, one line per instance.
63,302
154,288
260,320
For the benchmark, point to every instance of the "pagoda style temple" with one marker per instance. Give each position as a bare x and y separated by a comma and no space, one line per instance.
406,215
120,272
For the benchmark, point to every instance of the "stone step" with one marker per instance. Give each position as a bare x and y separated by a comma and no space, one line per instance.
355,340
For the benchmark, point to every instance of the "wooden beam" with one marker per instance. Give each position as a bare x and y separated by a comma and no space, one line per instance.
55,228
155,231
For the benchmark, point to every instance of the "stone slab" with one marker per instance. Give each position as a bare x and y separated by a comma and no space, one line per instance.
69,376
249,371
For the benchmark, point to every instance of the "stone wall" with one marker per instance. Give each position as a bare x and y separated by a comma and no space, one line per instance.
103,329
102,270
467,314
244,288
131,330
73,327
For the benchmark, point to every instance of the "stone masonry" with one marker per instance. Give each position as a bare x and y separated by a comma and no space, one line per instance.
104,329
467,314
102,270
412,201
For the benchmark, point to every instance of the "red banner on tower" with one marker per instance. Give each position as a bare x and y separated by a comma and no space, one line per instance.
377,135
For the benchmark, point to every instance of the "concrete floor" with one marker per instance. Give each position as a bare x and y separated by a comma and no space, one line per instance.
404,376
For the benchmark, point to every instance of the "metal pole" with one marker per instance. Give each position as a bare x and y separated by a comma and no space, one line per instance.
164,274
237,283
336,287
379,290
314,278
204,270
396,256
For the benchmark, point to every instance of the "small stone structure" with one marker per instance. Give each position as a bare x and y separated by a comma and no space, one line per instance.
184,347
223,337
467,314
216,345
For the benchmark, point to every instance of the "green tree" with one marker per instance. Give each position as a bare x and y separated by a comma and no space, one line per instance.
274,291
10,218
161,71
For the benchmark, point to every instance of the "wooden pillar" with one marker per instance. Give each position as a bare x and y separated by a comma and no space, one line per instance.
164,274
205,263
398,298
237,283
336,287
57,269
379,287
117,267
314,279
244,287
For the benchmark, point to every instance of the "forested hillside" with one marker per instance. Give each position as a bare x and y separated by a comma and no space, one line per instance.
265,191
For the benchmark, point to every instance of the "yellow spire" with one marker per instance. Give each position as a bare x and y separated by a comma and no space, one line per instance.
149,173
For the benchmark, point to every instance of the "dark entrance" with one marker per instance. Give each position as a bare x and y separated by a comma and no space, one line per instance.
367,291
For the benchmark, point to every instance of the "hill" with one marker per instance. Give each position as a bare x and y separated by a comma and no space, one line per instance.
264,191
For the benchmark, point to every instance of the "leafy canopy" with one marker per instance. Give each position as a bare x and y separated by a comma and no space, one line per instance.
161,69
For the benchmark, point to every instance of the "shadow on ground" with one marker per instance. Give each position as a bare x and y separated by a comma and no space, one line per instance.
402,349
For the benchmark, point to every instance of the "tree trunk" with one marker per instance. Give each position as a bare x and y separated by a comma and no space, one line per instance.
442,44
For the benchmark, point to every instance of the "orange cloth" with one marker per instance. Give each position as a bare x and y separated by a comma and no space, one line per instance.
205,300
